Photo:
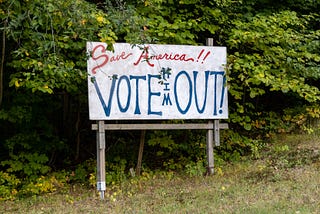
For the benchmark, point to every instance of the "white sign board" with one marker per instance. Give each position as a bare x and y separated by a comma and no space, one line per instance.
156,82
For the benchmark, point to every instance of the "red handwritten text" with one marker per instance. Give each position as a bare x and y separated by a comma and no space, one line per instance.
99,52
166,56
205,57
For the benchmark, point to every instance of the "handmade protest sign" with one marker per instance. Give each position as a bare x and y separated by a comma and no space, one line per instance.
156,82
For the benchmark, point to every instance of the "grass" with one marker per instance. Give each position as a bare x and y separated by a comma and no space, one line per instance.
284,179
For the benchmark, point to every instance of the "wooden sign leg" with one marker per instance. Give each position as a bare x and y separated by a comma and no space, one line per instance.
101,170
142,140
216,132
210,158
209,42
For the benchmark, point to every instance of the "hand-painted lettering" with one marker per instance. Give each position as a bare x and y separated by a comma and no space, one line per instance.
176,92
166,99
151,93
106,108
157,82
119,57
195,74
145,56
215,73
102,55
137,78
99,53
184,87
125,108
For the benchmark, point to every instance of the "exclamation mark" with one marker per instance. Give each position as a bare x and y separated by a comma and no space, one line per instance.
200,54
222,94
206,56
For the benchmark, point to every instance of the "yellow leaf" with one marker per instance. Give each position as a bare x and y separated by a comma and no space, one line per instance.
100,19
83,21
219,171
16,83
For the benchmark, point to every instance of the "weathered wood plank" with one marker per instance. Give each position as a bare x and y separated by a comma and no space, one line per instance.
161,126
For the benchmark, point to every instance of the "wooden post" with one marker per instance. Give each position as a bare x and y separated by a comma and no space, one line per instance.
142,139
210,158
216,132
101,162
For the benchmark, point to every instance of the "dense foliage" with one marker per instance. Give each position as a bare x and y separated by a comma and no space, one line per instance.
273,80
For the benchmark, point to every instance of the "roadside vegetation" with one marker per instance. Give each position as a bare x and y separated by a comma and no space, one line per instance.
266,161
283,179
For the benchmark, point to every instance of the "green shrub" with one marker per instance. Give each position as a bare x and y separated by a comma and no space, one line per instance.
27,165
196,168
8,186
27,174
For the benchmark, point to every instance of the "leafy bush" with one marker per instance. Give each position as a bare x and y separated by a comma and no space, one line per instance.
196,168
27,165
8,186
